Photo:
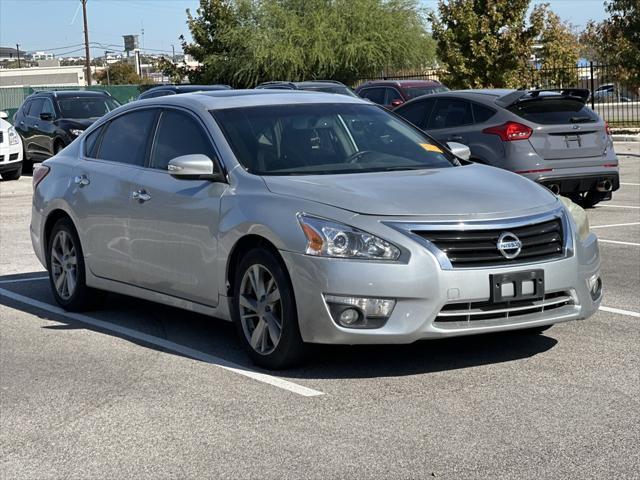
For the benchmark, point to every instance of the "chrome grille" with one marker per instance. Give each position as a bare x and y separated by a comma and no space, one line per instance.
487,310
477,248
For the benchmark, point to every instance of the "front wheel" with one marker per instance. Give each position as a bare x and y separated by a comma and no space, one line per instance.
264,311
13,174
65,262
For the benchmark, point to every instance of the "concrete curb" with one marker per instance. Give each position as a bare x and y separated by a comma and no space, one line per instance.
625,138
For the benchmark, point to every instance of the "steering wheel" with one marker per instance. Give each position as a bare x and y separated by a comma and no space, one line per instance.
356,156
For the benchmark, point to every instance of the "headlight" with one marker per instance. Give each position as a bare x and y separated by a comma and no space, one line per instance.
330,239
579,217
13,136
76,132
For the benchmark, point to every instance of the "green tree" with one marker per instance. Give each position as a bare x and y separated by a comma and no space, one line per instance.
558,53
243,42
120,73
485,43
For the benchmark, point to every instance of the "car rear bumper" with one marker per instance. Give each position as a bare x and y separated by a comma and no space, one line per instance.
576,183
422,289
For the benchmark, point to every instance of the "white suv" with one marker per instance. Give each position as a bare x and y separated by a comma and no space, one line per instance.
10,150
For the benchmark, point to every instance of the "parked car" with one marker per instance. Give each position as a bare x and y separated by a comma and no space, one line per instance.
326,86
549,136
10,150
164,90
393,93
610,93
48,121
306,219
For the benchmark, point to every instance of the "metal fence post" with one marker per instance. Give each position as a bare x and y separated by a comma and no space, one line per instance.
593,103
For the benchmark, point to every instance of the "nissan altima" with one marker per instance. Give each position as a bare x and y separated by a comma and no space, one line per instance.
306,218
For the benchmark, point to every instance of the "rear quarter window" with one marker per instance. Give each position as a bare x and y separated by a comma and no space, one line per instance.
551,111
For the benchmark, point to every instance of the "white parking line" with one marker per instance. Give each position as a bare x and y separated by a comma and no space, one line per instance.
621,312
615,225
626,183
602,240
19,280
618,206
166,344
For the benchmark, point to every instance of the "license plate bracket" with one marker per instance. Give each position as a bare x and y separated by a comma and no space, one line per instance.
515,286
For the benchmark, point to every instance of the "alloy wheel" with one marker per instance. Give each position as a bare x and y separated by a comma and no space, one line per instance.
64,265
260,309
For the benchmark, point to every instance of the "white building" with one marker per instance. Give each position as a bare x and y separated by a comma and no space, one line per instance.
42,56
43,76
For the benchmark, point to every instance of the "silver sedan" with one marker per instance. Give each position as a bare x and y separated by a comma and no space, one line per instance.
306,218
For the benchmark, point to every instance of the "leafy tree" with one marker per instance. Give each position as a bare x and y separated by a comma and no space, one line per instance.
120,73
559,52
244,42
485,43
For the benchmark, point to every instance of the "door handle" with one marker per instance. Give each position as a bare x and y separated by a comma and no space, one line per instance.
141,195
455,138
81,180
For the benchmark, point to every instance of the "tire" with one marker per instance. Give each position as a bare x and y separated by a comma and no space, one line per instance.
13,174
263,307
588,199
57,147
68,261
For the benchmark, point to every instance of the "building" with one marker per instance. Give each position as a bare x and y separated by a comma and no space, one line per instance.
42,56
55,76
8,54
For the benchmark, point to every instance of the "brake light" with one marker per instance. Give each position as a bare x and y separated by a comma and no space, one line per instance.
607,128
510,131
39,173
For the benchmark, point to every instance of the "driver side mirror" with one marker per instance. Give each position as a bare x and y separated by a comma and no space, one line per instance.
397,102
460,150
3,115
194,167
46,116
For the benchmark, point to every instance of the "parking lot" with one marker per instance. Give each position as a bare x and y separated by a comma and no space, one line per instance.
139,390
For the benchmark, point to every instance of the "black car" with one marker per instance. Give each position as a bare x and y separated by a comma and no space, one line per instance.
164,90
48,121
326,86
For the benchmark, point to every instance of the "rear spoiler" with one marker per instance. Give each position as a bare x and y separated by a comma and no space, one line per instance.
579,94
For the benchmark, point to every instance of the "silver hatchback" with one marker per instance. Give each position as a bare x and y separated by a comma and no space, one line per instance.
306,218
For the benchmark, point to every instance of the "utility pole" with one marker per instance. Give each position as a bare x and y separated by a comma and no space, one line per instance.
18,53
106,66
87,60
173,51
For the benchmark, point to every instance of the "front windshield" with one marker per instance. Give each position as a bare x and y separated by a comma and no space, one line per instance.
340,90
413,92
86,107
325,139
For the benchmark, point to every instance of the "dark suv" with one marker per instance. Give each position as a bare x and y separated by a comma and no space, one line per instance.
48,121
391,93
326,86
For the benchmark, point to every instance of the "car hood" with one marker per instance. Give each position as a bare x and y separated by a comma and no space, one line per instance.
469,191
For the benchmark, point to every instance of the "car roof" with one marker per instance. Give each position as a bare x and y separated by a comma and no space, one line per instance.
221,99
71,93
188,88
283,84
402,83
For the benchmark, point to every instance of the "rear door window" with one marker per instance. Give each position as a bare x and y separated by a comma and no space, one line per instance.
178,134
554,111
481,113
449,113
417,112
126,139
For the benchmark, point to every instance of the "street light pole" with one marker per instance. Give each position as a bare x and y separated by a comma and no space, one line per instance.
106,66
87,60
18,53
173,51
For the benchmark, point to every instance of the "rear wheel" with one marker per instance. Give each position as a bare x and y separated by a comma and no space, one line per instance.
588,199
13,174
264,311
66,266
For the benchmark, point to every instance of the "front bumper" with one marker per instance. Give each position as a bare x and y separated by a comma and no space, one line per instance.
10,156
422,288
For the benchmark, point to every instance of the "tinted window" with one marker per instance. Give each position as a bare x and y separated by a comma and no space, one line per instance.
393,94
26,107
86,107
325,139
482,114
414,92
417,112
178,134
159,93
450,113
549,111
91,143
127,137
376,95
36,107
47,107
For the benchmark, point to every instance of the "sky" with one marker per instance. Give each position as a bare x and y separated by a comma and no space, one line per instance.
55,26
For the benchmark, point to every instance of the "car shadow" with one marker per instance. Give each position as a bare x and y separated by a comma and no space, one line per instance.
217,338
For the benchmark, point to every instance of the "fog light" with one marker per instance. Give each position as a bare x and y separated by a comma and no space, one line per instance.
594,282
360,312
349,316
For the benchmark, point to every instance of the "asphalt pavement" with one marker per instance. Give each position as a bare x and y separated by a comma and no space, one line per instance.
139,390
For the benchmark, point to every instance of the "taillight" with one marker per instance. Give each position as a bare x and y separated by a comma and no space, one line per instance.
607,128
39,173
510,131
